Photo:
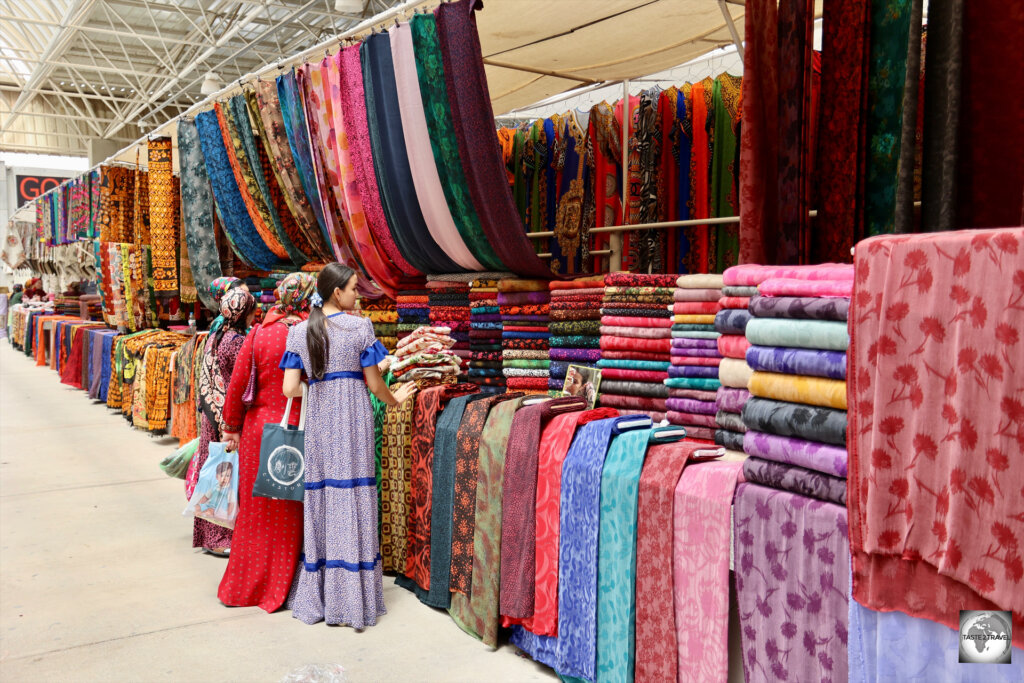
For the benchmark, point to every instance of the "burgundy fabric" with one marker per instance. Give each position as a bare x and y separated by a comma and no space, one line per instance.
473,121
519,505
634,402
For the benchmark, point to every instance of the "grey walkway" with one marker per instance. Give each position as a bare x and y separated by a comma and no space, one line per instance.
98,580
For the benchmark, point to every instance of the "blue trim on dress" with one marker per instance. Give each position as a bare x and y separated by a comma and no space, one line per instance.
341,483
291,361
373,354
343,374
339,564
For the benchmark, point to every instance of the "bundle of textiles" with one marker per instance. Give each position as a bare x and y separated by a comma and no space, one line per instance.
90,307
795,438
449,307
384,316
140,381
485,336
693,371
524,306
426,354
731,324
636,343
66,305
413,308
575,327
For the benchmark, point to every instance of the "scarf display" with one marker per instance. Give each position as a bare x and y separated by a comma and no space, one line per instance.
197,214
163,223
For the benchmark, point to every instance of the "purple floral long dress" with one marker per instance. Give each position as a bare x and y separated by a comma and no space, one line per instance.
339,578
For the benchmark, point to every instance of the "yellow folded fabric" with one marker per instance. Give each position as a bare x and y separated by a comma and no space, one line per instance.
815,391
694,319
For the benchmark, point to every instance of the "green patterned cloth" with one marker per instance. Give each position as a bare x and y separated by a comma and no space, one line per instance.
527,364
587,327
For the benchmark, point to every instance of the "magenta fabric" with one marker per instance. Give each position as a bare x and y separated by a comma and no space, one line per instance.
637,332
750,275
794,287
421,155
473,121
624,321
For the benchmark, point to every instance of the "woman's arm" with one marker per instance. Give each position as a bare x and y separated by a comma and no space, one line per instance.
292,385
375,383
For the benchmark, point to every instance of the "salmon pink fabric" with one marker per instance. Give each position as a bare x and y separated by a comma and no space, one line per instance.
751,275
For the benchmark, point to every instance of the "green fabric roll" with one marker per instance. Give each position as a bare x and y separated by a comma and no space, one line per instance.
800,334
657,366
691,334
569,327
528,364
574,341
693,383
692,327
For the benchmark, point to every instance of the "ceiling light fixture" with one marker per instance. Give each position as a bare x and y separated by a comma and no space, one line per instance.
211,84
349,6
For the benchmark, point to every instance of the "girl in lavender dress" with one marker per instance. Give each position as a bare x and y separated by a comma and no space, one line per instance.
339,576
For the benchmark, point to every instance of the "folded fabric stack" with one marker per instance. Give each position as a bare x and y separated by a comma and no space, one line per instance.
384,316
636,343
485,336
693,371
731,324
413,307
449,307
575,327
426,353
524,306
795,418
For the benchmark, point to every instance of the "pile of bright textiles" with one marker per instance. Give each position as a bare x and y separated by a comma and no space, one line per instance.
524,306
693,373
140,381
575,326
426,354
485,335
731,323
384,316
449,307
636,343
795,493
413,307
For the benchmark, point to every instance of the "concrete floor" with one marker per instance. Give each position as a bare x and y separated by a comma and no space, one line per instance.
99,582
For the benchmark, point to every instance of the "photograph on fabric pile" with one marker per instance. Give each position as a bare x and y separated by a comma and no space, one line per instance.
582,381
215,498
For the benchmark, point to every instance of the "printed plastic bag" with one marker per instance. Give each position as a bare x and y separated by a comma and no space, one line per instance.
215,497
176,464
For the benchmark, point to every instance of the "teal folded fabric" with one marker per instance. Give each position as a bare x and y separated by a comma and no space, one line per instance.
700,383
804,334
692,327
657,366
687,334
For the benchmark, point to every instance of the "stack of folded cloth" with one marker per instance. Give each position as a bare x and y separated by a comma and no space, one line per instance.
636,323
734,373
796,416
384,316
449,307
413,307
426,353
575,327
524,306
485,335
693,374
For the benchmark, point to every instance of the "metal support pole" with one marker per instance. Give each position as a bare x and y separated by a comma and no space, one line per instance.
732,28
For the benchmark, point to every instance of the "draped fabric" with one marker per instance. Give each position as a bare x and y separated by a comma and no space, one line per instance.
425,174
391,161
724,186
163,224
578,544
197,213
353,111
246,183
473,120
244,239
264,105
439,116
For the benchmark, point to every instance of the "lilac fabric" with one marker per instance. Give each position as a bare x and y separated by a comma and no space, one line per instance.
795,479
732,400
817,363
697,352
792,585
802,307
816,456
693,371
690,343
689,405
425,178
473,121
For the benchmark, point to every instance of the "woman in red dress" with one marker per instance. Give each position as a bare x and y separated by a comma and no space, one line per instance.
268,533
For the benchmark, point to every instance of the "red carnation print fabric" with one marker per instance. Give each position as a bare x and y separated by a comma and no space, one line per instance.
936,424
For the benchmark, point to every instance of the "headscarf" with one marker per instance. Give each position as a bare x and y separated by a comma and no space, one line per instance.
234,307
218,288
293,295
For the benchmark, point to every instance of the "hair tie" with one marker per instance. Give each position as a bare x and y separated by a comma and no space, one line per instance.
316,301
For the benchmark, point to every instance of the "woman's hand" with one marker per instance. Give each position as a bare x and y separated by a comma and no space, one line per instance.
230,441
405,392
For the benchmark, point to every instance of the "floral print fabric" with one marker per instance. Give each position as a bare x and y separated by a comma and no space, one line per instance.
197,214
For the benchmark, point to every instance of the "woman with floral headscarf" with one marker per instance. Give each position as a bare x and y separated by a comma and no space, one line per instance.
267,539
237,308
218,288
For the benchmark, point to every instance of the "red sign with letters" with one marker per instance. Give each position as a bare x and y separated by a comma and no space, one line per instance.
31,186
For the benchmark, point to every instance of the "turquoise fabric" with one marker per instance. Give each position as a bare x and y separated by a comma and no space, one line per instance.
700,383
802,334
655,365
